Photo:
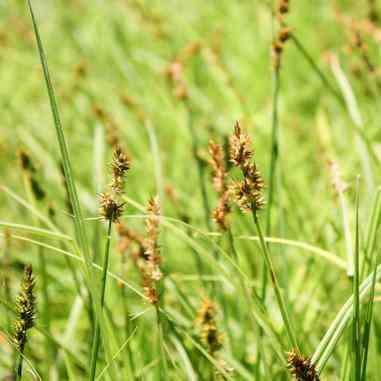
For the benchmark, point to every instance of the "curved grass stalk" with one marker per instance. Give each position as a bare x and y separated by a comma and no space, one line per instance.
334,332
37,231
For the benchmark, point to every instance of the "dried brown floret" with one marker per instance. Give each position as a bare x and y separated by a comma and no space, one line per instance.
110,209
25,307
301,367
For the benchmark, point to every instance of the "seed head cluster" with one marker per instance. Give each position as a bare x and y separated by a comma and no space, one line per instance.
151,266
25,307
301,367
283,34
209,334
219,175
248,191
110,207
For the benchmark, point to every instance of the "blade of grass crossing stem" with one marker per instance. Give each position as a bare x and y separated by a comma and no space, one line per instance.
335,330
356,327
78,219
79,223
373,226
96,339
372,257
281,303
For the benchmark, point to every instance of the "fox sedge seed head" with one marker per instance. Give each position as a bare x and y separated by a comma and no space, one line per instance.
301,367
150,268
206,319
25,161
25,307
120,165
110,209
221,212
217,163
248,191
240,150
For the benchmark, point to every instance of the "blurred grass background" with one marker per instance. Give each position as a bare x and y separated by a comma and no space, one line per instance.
114,56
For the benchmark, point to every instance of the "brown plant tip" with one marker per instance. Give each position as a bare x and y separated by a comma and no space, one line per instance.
221,212
206,319
284,6
151,267
120,165
240,146
25,161
301,367
248,191
284,34
217,163
110,209
25,307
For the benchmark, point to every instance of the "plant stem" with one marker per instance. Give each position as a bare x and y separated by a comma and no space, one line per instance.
278,294
96,340
200,168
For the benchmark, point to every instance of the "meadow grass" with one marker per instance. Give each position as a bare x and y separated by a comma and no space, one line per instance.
184,273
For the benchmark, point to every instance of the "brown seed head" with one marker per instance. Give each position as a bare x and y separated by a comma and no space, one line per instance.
284,34
151,267
217,163
221,212
283,7
301,367
248,191
25,307
110,209
120,165
206,319
25,161
240,150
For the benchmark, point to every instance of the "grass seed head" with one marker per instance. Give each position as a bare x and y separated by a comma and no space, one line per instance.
206,319
25,307
248,191
110,209
301,367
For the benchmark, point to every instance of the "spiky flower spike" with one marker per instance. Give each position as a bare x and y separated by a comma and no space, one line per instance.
25,307
110,209
206,319
219,175
151,268
247,192
120,165
301,367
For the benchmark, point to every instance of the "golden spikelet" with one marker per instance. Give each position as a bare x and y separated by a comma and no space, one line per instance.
219,176
110,210
209,334
151,271
248,191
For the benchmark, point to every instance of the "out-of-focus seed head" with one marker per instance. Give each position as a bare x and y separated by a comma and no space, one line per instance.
25,161
25,307
221,212
217,163
206,319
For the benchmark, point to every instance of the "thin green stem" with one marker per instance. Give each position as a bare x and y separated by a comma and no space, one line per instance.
200,168
317,70
282,305
96,340
356,333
